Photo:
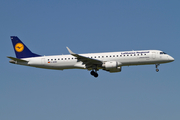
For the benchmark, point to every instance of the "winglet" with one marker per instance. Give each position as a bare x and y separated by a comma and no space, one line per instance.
70,51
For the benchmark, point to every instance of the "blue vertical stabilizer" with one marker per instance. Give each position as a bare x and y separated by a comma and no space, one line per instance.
20,48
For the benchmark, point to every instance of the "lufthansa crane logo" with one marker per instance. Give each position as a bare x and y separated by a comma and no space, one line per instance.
19,47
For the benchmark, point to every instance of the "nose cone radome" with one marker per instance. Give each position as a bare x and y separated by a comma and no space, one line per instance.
171,58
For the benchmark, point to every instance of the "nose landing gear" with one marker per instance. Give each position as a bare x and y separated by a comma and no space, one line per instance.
157,70
94,73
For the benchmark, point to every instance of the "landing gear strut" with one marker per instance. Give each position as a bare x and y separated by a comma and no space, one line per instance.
157,70
93,73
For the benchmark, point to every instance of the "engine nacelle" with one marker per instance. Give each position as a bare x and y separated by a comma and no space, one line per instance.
112,66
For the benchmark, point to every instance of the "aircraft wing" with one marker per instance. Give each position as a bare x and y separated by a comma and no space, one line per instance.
89,62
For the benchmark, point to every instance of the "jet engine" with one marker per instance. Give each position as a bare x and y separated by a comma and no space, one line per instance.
112,66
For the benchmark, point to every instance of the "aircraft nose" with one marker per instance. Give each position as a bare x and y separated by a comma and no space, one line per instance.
171,58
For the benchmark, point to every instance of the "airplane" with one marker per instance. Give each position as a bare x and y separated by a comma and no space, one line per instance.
108,61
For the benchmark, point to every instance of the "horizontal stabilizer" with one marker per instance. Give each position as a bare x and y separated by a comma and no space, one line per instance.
16,59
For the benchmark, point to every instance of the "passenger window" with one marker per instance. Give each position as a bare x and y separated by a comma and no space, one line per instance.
61,58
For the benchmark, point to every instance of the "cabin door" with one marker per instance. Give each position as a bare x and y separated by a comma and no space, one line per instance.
42,61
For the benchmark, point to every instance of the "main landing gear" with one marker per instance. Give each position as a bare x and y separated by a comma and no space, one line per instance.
94,73
157,70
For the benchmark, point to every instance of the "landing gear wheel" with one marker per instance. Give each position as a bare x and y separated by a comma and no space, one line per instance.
157,70
94,74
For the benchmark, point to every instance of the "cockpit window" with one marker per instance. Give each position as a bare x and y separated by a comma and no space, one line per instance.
163,53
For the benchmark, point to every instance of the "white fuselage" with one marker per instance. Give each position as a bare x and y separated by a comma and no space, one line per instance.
124,58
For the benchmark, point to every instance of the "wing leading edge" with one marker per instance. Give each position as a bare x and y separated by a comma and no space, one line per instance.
89,62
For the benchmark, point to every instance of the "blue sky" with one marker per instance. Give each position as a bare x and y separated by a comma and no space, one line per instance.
47,27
